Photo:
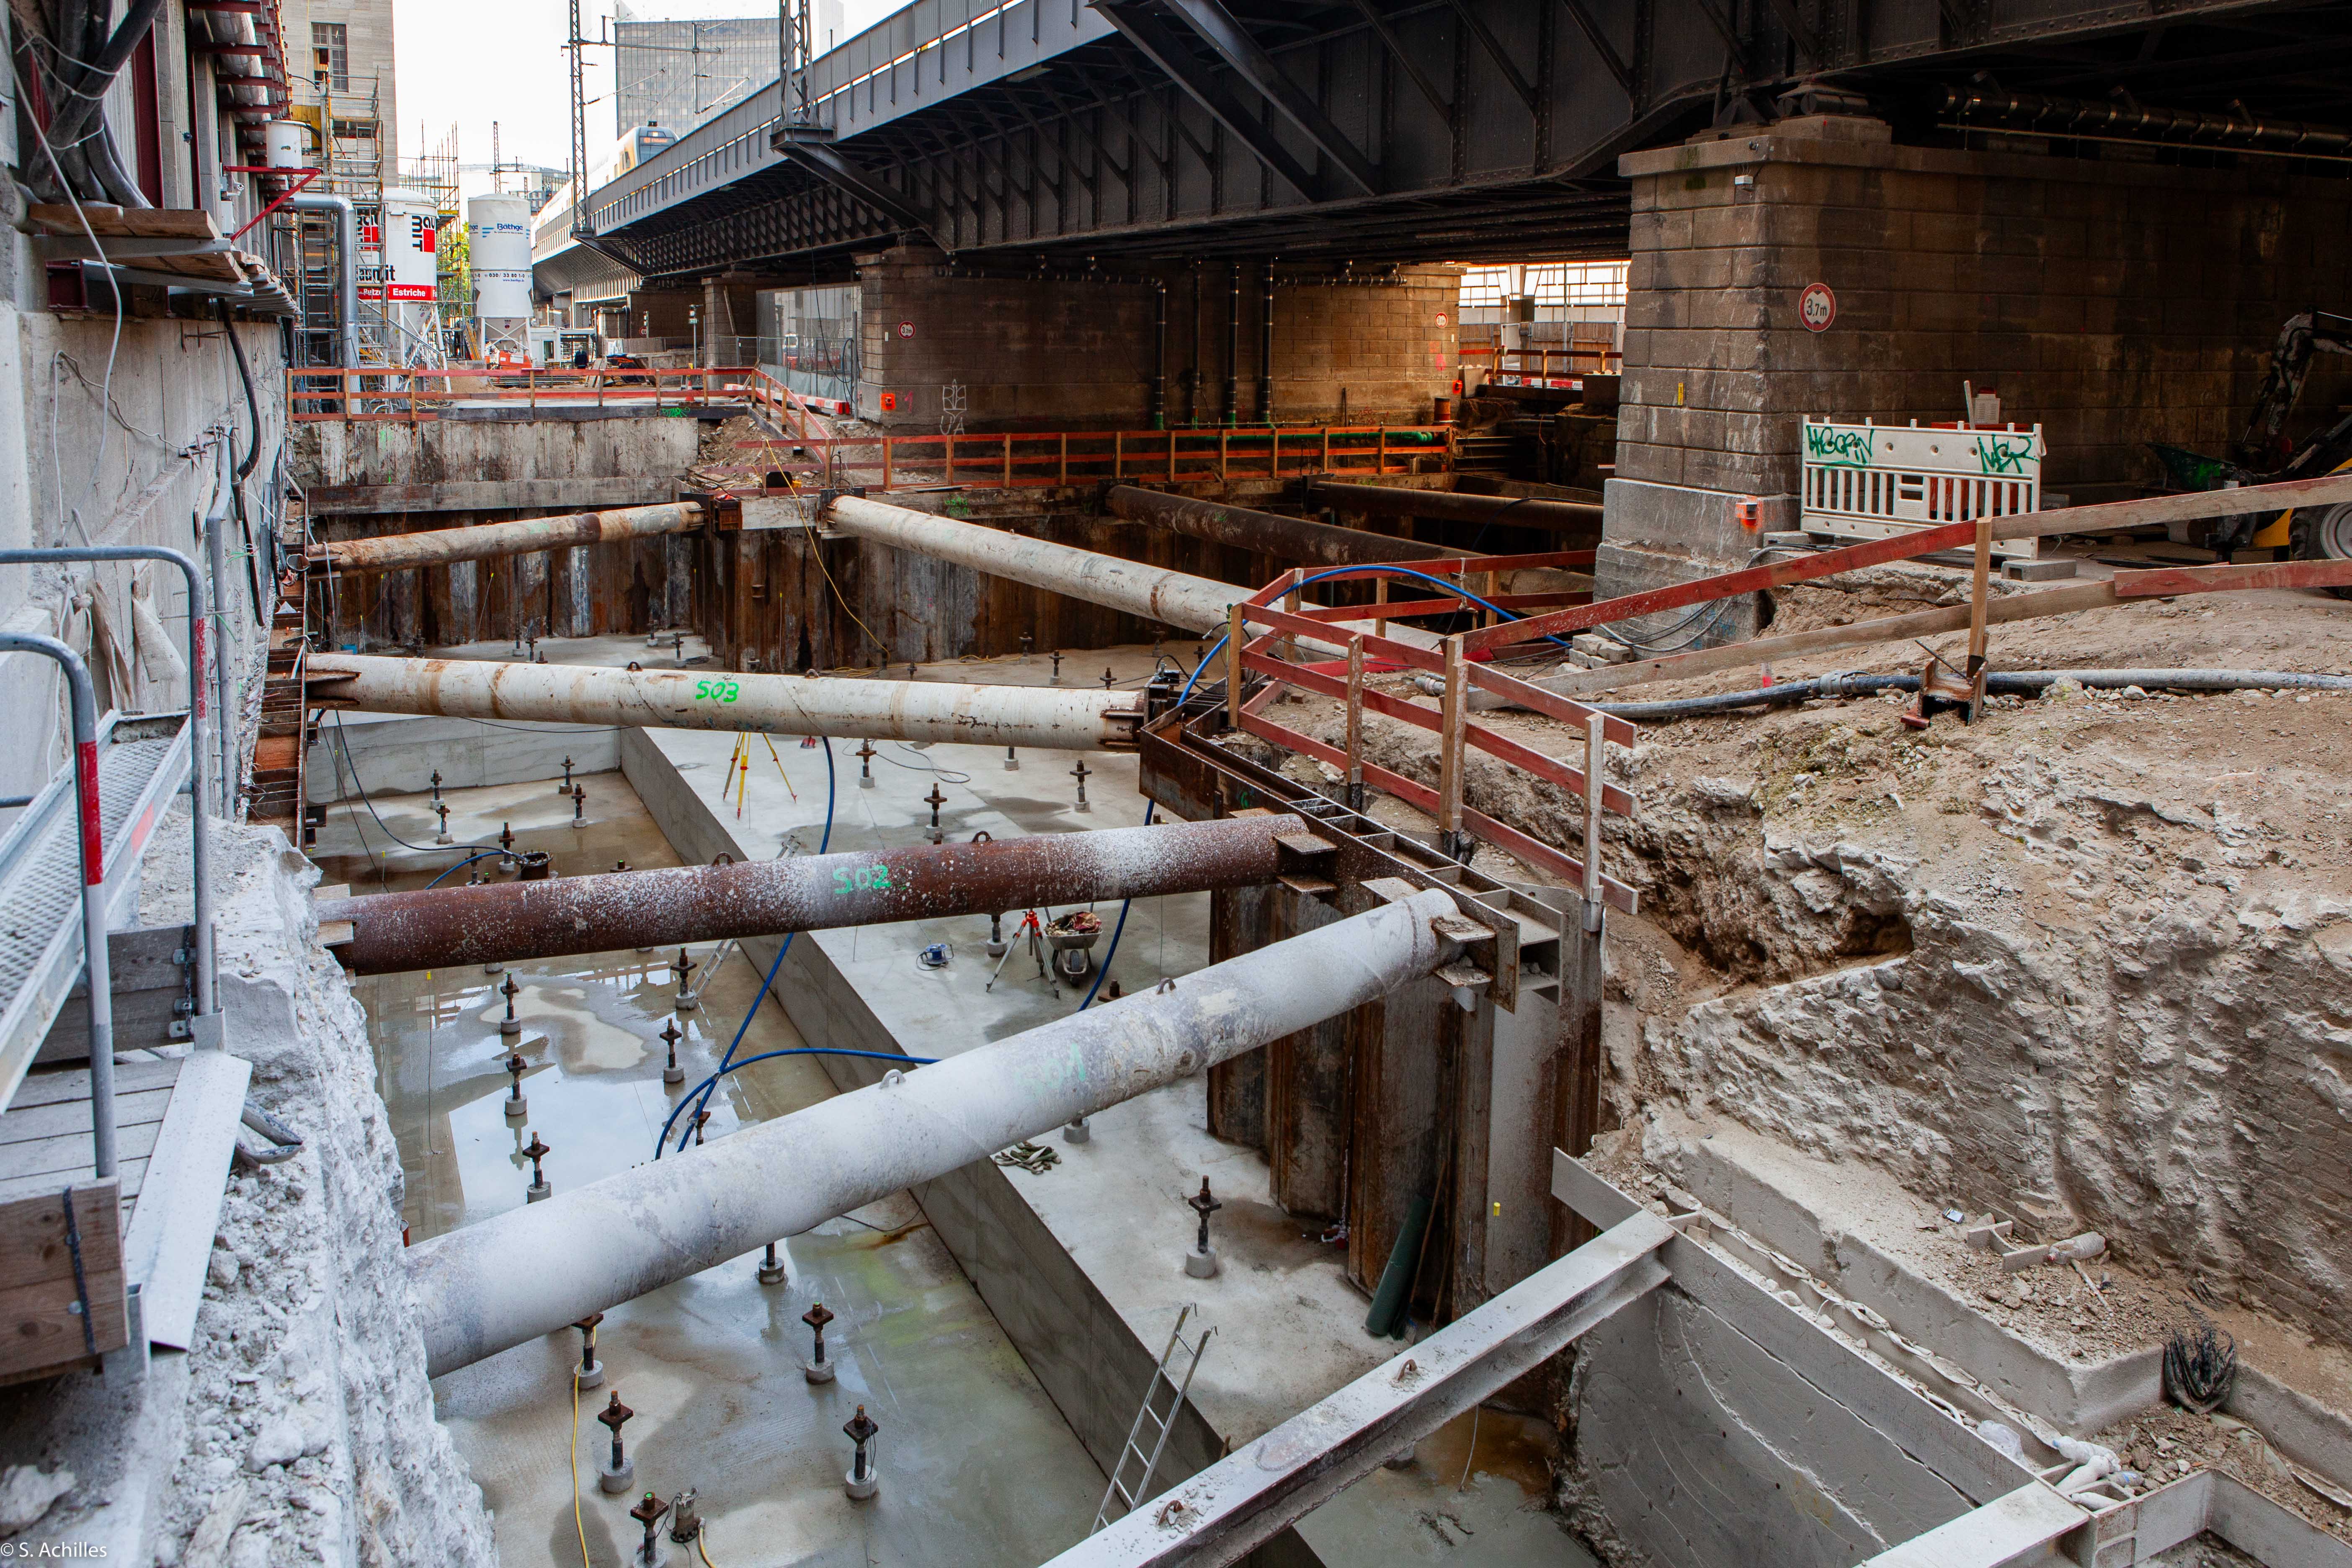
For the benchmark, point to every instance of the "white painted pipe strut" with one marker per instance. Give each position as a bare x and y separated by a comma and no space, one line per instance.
1147,591
1029,716
535,1269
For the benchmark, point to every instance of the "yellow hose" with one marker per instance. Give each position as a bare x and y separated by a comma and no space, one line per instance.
576,1471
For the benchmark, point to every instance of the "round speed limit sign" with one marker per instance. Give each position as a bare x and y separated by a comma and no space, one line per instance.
1817,306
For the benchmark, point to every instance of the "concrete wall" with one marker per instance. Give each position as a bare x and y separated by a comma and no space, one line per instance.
389,753
1048,355
71,474
1695,1447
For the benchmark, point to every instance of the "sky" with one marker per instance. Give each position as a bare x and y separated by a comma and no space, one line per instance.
469,62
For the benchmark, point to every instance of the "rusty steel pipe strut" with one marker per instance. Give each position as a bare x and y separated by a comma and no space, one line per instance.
1268,533
1046,718
1147,591
1451,506
508,922
525,536
531,1271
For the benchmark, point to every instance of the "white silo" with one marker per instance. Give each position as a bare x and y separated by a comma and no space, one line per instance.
498,235
412,276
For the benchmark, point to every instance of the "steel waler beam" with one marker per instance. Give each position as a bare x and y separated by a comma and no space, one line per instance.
1267,534
1026,716
526,536
533,1271
509,923
1451,506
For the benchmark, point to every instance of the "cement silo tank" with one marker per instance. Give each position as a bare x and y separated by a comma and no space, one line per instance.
498,235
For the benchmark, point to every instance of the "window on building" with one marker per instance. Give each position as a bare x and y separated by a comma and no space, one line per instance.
330,53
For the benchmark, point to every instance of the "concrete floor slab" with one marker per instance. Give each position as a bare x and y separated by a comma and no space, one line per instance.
712,1365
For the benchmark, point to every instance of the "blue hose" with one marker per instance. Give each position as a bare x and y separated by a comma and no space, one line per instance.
711,1082
767,980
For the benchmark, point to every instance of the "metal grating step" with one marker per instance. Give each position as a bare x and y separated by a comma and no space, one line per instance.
141,762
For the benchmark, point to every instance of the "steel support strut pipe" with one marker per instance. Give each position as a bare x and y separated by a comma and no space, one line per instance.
1035,717
1148,592
1268,533
508,922
531,1271
1449,506
526,536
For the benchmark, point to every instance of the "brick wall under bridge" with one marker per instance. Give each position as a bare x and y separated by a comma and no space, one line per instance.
1051,354
2113,300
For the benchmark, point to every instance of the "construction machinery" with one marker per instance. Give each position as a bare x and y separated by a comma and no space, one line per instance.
2264,454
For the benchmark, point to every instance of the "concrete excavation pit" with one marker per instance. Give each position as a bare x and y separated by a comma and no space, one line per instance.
1391,1146
1167,783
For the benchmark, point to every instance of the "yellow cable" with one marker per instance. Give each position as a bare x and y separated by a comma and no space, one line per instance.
576,1471
703,1552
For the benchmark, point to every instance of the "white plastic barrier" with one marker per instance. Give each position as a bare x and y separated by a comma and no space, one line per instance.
1870,481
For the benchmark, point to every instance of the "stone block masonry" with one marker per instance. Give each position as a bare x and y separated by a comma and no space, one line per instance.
1077,355
2114,302
2111,300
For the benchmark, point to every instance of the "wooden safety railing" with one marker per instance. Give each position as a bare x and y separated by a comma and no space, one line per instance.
375,392
1262,638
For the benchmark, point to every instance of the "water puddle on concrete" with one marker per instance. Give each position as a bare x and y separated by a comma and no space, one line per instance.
712,1365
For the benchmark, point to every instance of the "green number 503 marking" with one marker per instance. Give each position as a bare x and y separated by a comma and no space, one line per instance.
716,690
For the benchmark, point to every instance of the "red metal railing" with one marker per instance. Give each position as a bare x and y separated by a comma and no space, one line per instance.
1264,639
372,392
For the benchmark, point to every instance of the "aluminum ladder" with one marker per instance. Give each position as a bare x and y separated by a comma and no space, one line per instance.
1161,1422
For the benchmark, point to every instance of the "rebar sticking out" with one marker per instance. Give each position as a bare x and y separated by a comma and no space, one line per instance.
935,800
615,1472
538,1191
437,784
866,754
1200,1263
505,846
682,968
592,1370
441,809
818,1369
771,1268
671,1072
649,1511
1081,773
1077,1132
1011,760
509,1024
1107,677
863,1479
517,1107
565,788
579,806
1056,657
